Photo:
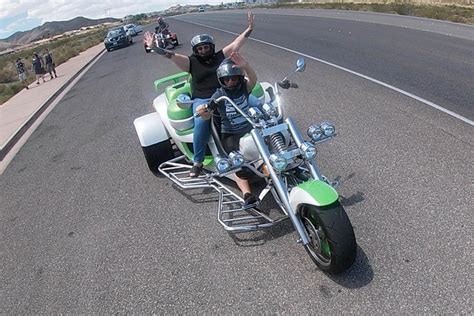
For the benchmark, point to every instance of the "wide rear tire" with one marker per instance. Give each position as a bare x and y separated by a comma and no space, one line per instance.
158,153
332,244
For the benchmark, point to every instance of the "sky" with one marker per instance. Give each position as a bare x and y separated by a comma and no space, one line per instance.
23,15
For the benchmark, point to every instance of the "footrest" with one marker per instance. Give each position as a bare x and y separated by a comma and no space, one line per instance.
235,216
177,170
232,212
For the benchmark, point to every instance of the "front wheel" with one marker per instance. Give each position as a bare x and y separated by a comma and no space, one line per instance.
332,245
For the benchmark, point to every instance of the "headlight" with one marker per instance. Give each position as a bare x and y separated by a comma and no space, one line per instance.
222,164
328,128
236,159
255,113
314,132
278,162
308,150
270,109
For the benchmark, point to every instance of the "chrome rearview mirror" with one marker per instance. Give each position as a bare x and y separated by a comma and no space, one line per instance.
300,65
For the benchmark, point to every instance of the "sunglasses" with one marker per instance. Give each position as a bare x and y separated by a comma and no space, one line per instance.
203,48
231,78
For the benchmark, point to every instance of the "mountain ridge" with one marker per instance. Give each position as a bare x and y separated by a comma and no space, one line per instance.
50,29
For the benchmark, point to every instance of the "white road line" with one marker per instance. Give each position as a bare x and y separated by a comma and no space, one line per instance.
408,94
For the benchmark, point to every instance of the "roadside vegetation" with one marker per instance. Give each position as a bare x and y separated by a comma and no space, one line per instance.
452,13
62,50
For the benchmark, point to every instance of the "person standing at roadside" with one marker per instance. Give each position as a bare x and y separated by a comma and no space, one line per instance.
38,67
50,65
20,69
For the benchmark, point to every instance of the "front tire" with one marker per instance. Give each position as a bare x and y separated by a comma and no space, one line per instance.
332,245
158,153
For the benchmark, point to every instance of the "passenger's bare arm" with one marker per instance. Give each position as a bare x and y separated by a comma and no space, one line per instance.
240,40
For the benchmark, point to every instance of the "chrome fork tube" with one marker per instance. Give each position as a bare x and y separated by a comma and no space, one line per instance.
311,164
279,186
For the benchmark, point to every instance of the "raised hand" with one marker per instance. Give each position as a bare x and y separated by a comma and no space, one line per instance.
239,61
251,17
148,38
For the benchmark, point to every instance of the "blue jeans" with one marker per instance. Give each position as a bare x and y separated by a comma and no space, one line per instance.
202,130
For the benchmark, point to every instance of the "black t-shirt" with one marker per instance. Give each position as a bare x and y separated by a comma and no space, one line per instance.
161,27
204,78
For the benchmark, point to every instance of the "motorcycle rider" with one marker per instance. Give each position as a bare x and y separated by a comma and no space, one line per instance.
237,79
202,65
162,25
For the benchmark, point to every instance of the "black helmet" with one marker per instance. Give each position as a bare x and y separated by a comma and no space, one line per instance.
202,39
228,69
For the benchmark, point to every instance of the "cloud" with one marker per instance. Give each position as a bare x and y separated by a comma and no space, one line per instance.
37,12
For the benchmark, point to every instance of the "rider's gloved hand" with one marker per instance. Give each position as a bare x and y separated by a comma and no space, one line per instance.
212,105
161,51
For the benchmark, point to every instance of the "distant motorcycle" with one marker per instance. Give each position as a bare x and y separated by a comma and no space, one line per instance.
164,39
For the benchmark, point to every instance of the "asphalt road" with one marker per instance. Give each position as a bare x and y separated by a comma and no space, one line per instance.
86,228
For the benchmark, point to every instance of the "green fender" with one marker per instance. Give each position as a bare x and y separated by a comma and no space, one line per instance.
313,192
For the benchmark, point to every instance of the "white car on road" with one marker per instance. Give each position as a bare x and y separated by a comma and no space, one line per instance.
133,29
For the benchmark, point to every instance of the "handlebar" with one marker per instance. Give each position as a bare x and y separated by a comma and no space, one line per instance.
226,98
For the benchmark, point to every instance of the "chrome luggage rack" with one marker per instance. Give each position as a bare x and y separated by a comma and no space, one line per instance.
233,215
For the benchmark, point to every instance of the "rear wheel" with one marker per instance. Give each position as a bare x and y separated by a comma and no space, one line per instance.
158,153
332,245
176,43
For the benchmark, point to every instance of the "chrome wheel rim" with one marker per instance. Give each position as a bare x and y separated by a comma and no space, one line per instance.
318,245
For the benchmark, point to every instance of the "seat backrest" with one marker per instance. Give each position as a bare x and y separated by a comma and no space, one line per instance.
174,111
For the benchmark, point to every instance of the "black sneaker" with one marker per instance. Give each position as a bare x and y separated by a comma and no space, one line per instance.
195,171
250,199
